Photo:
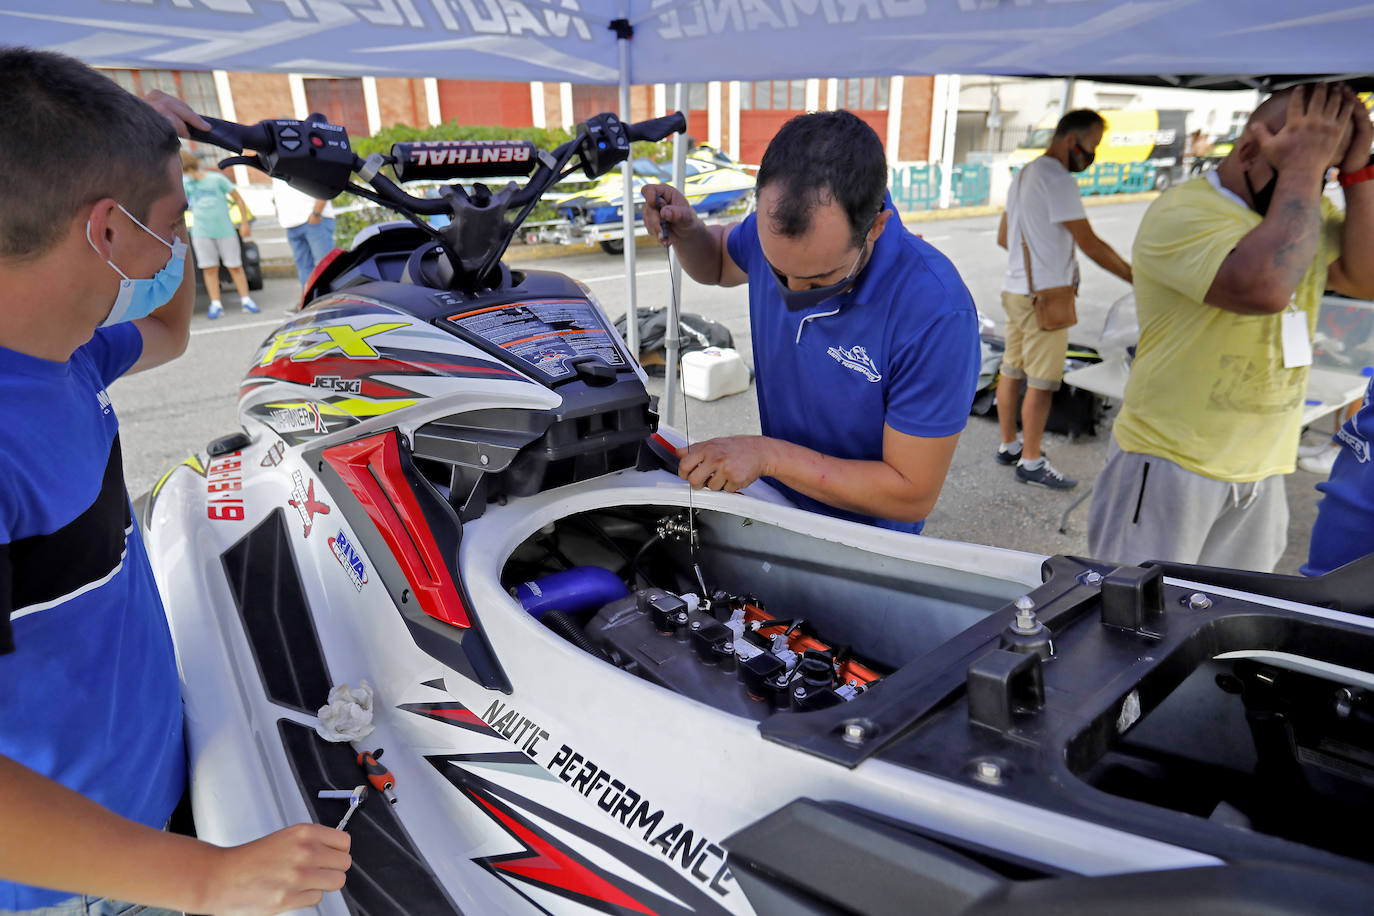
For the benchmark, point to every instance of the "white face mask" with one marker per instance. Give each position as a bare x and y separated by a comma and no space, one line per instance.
138,298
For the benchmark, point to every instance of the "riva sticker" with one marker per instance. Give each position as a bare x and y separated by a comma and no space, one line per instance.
349,559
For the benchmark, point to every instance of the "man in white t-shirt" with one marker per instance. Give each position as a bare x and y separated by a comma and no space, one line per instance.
309,225
1045,214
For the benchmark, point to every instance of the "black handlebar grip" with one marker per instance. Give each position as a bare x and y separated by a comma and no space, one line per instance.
445,160
657,128
231,136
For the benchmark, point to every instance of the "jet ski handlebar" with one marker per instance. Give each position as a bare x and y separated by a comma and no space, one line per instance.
315,156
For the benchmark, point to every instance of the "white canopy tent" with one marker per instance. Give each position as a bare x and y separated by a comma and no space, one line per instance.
682,40
1166,42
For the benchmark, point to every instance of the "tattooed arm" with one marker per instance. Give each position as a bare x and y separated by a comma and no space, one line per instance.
1261,274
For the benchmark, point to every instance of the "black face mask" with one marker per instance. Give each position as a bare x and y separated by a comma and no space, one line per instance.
1264,196
1080,158
798,300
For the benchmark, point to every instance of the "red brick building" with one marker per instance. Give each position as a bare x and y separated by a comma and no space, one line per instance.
736,117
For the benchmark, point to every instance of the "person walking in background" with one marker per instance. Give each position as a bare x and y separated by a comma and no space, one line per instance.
309,225
1040,228
1199,148
1229,273
213,237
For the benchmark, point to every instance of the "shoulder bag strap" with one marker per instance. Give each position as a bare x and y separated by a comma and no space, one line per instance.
1025,249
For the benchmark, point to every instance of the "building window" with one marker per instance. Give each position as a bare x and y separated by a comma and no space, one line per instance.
195,87
867,93
198,91
341,101
773,95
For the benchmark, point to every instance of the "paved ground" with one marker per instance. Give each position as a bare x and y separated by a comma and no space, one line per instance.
168,413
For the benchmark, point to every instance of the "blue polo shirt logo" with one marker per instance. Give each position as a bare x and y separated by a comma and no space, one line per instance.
856,358
1358,446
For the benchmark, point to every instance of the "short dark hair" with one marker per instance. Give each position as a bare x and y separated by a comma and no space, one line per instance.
820,156
1078,121
69,137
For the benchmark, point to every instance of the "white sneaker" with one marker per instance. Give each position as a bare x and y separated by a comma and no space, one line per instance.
1314,451
1320,464
216,310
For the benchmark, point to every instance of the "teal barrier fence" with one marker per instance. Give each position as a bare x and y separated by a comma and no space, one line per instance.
914,187
1113,178
1116,178
969,183
917,187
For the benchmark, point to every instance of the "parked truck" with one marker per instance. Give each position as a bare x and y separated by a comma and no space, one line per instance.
1153,135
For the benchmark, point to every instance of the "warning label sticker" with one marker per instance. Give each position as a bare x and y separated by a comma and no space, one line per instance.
546,333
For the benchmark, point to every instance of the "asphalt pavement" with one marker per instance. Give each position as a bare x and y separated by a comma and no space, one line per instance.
170,412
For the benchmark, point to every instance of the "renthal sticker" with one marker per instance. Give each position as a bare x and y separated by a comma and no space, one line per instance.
349,559
339,384
304,502
297,419
464,155
273,456
304,344
223,486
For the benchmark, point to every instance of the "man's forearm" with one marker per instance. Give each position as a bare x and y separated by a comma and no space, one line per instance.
1263,271
176,314
70,843
1357,237
868,487
1286,239
698,251
1104,256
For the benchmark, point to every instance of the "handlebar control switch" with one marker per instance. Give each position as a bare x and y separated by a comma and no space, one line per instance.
606,144
313,155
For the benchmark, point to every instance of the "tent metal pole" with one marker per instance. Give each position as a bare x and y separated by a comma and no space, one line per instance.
947,148
627,202
1066,100
673,339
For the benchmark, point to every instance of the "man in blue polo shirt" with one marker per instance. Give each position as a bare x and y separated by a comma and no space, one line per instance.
93,285
1344,530
865,338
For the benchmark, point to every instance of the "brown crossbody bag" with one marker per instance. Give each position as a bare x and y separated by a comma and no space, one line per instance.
1055,306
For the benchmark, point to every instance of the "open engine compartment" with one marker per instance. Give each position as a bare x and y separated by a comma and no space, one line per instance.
1211,722
764,621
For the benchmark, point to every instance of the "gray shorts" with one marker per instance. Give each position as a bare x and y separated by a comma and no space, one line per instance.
210,251
1147,508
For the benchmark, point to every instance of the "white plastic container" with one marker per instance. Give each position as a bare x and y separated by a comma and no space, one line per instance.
714,373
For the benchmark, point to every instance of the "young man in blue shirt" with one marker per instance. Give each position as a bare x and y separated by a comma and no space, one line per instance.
93,285
865,338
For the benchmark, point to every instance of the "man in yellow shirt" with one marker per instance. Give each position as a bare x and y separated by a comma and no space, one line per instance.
1229,272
